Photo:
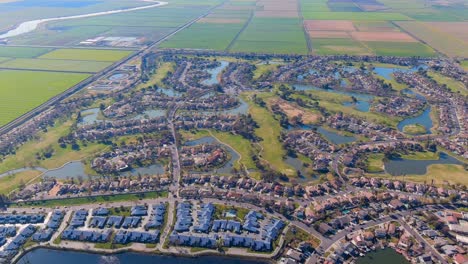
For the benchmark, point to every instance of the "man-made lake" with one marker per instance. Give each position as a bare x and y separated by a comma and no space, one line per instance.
419,167
77,169
387,72
423,119
41,256
89,116
227,167
331,136
214,73
363,101
383,256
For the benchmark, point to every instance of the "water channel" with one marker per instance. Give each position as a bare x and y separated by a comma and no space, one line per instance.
214,73
383,256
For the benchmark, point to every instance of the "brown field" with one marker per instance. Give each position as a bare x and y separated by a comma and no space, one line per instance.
292,111
371,8
221,20
383,36
327,34
457,29
271,13
375,26
329,25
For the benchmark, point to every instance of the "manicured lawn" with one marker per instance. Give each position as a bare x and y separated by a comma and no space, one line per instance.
157,77
375,163
12,182
22,52
87,54
25,156
93,200
264,69
414,129
454,85
269,130
21,91
56,65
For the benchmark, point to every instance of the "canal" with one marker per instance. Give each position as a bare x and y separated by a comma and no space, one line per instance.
383,256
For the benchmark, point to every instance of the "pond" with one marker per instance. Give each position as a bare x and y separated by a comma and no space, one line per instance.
299,166
89,116
383,256
77,169
42,255
170,92
151,114
118,76
397,167
331,136
214,73
423,119
387,72
227,167
363,101
243,108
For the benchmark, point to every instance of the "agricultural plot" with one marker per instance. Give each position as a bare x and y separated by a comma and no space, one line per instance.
277,8
55,65
86,55
272,35
22,52
214,32
21,91
447,42
364,37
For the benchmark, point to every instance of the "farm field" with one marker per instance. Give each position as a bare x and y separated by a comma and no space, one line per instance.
272,35
21,91
447,42
55,65
86,55
22,52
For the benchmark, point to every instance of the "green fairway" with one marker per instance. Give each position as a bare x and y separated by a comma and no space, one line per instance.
87,54
56,65
269,130
22,52
21,91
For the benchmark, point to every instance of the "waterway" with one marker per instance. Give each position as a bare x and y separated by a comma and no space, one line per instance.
227,167
383,256
214,73
363,101
41,256
423,119
31,25
400,166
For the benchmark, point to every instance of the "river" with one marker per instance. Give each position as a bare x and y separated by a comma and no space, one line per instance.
31,25
41,255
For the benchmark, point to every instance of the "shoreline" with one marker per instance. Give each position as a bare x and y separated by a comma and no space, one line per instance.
97,251
31,25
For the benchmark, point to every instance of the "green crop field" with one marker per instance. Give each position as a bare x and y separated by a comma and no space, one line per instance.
22,52
21,91
55,65
272,35
205,36
86,54
361,16
401,49
338,46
